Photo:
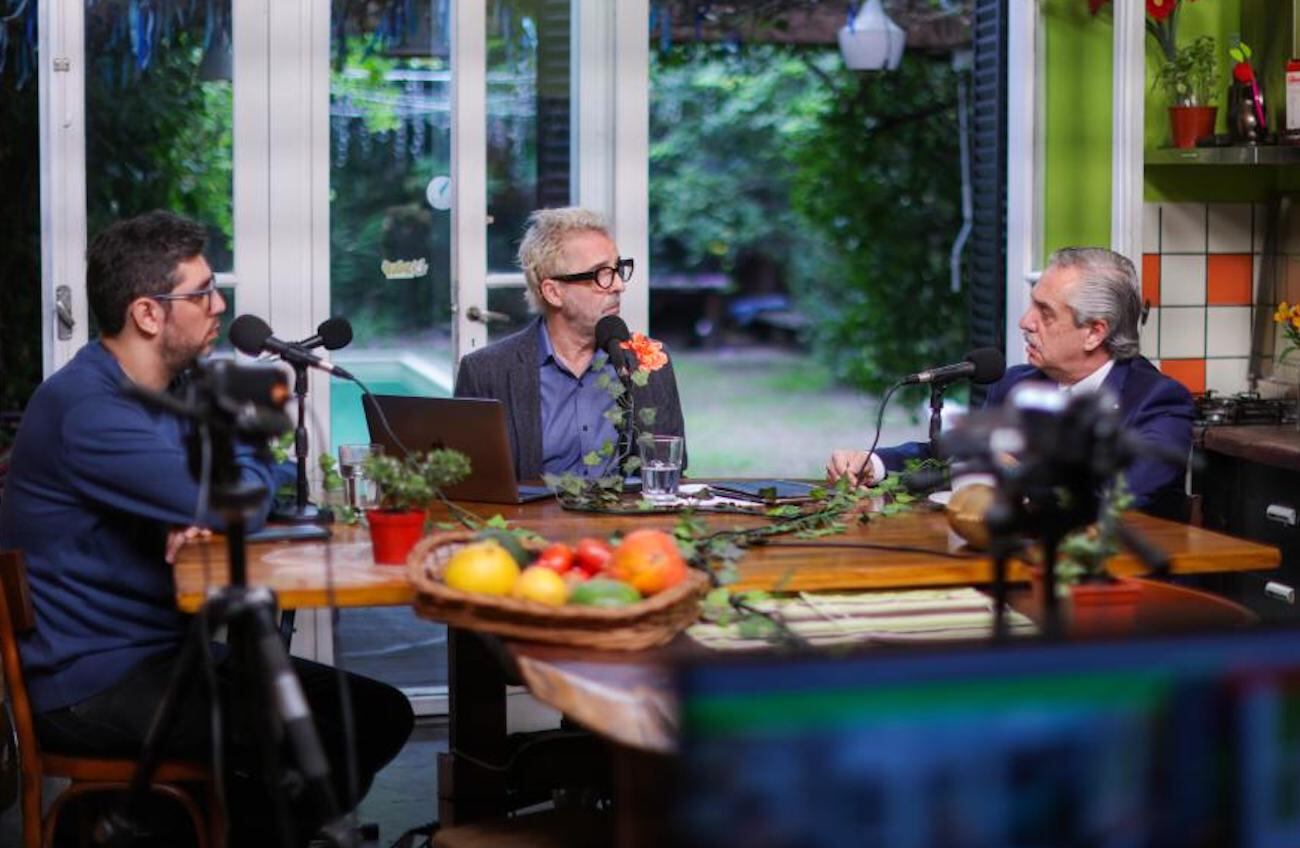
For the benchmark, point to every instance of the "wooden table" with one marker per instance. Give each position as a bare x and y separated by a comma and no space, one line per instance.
477,681
297,570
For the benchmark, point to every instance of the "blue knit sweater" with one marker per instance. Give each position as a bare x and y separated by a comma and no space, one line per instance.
97,480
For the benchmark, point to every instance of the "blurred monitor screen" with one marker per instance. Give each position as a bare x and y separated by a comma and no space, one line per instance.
1193,741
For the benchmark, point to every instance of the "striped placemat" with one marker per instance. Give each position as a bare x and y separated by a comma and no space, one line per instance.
873,617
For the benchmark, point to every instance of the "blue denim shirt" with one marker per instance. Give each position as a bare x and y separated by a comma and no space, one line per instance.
573,413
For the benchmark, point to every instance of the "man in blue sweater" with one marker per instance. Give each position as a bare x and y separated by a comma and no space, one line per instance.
1081,333
99,499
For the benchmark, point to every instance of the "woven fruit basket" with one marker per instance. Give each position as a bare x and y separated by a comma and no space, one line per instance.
645,624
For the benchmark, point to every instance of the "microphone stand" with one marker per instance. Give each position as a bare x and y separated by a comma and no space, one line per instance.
936,414
302,511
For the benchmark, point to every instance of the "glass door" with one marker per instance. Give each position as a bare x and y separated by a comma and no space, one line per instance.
399,165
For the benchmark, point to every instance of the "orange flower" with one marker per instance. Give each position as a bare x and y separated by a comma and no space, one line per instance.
1283,313
650,354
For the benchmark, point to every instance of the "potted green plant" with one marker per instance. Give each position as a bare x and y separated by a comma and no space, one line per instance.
1190,79
406,488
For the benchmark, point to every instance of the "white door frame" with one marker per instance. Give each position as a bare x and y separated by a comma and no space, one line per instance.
62,104
1025,143
1128,87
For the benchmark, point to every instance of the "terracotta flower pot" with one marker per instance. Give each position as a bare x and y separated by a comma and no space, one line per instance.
393,534
1098,609
1188,123
1091,609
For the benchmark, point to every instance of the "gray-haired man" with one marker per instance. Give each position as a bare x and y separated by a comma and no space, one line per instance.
547,374
1081,332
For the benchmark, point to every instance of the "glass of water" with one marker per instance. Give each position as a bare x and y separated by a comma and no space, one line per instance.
661,467
359,492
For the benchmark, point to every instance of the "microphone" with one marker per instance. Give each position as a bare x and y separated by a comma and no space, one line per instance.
982,365
251,335
332,334
611,330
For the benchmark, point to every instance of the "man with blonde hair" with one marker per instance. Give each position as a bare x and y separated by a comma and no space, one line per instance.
548,374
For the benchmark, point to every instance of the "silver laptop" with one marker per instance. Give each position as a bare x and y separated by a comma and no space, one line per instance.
476,427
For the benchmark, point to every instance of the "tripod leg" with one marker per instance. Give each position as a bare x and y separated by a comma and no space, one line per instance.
290,706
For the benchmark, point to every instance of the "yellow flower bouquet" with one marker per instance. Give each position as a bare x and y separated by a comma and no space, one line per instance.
1288,317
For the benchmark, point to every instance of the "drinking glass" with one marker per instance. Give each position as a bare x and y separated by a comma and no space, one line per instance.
359,492
661,467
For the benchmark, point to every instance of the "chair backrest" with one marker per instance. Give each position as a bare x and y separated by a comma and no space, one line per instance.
16,618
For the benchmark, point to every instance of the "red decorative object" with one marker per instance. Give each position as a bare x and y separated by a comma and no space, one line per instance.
1189,123
393,534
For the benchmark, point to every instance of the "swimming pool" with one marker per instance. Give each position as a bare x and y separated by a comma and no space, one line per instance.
384,373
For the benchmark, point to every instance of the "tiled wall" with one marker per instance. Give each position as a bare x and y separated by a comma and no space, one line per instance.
1200,266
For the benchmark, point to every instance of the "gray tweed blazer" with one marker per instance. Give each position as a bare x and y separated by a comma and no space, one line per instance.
507,370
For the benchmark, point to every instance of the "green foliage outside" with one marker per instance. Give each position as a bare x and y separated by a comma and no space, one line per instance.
880,183
849,183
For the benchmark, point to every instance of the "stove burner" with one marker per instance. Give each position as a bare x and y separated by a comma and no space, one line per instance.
1242,409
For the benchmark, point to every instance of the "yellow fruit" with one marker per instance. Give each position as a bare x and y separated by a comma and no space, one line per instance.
483,567
541,585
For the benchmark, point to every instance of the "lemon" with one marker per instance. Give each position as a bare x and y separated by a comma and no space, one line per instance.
483,567
541,585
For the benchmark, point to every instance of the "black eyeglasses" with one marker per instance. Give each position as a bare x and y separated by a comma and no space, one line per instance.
602,277
208,290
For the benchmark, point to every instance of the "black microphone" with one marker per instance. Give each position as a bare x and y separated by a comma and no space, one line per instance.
982,365
332,334
611,330
251,335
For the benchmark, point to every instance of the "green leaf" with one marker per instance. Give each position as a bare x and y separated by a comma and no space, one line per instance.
592,458
640,377
646,415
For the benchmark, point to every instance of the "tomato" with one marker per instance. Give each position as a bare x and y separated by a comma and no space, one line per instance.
649,560
557,557
592,555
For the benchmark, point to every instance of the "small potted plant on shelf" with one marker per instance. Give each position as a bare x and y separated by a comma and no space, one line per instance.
1190,79
406,488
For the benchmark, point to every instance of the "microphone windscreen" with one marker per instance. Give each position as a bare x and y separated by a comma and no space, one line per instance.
248,334
989,364
611,328
335,333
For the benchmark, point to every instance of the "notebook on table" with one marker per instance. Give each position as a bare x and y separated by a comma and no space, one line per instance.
765,491
474,426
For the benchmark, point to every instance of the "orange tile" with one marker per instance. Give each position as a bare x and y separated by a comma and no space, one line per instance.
1151,278
1189,372
1228,279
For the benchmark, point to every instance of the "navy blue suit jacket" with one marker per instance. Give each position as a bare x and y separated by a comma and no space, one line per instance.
1153,407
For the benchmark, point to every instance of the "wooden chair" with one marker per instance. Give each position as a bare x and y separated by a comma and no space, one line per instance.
88,774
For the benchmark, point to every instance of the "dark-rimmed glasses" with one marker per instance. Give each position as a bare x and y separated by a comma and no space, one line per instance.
208,290
603,277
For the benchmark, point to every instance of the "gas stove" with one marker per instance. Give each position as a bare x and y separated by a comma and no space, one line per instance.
1243,409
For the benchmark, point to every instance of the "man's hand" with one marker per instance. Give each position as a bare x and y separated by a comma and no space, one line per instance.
855,465
177,537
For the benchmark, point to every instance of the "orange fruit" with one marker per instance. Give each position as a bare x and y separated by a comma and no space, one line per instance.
649,560
541,584
483,567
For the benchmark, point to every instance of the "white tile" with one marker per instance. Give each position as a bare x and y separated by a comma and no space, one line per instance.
1150,333
1182,332
1227,331
1229,227
1182,280
1227,376
1150,227
1182,228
